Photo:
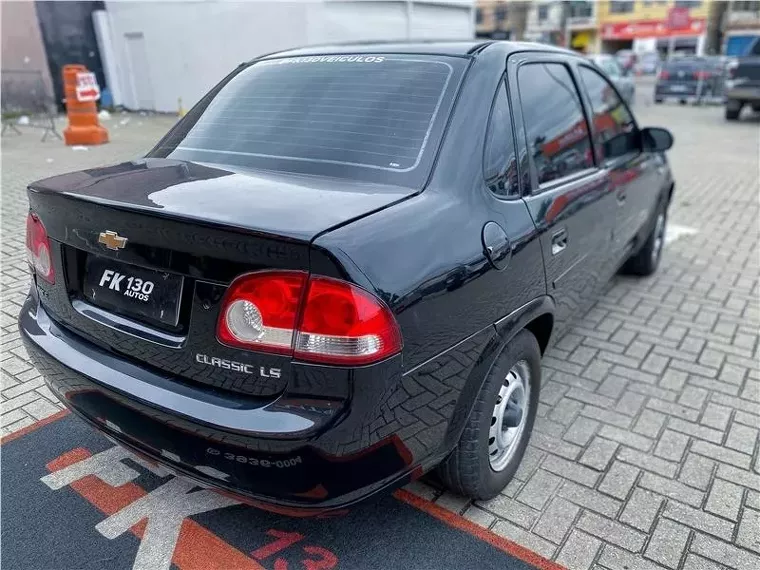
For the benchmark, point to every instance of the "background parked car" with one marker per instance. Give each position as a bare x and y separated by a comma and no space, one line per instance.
648,63
690,79
742,85
623,80
627,59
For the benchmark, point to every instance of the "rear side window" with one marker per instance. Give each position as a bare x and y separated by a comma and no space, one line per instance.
555,126
611,67
614,127
329,115
500,163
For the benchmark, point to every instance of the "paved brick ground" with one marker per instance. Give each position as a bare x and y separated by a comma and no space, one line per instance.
645,454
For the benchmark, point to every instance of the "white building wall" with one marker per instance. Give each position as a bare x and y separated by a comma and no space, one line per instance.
535,28
184,48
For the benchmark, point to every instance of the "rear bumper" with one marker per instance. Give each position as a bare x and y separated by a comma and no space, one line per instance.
682,91
291,455
746,94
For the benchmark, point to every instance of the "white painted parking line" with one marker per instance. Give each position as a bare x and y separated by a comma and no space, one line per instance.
674,232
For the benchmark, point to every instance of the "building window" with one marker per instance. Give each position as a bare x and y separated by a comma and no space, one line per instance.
746,6
582,9
478,15
621,7
688,3
543,12
500,13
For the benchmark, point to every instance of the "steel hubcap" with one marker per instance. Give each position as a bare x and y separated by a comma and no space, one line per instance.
509,416
659,236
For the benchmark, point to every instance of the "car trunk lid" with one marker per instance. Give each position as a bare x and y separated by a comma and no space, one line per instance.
145,251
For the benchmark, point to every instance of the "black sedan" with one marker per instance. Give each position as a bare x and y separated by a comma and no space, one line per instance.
687,79
341,268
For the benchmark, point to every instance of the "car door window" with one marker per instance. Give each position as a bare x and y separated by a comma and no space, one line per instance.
612,68
614,127
556,129
499,160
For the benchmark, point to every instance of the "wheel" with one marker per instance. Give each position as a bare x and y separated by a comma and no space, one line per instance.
733,109
657,100
732,114
647,259
497,432
683,101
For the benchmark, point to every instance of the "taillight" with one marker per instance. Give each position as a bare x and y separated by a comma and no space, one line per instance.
664,74
38,249
702,75
343,324
315,319
260,311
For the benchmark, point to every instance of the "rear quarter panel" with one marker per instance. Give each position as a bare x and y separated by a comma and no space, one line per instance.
424,256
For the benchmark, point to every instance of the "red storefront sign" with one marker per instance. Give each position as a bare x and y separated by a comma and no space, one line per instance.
678,18
653,29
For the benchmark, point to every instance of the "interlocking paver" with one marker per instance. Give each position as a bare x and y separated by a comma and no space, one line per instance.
672,489
611,531
590,499
650,404
556,520
512,510
668,543
479,516
619,480
749,530
642,509
724,553
721,453
671,445
697,471
599,453
579,550
699,519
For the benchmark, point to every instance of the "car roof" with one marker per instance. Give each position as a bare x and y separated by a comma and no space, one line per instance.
432,47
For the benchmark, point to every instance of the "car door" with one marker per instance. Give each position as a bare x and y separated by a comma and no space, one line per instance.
567,195
633,174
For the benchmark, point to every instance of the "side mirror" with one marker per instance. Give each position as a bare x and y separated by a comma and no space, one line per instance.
656,139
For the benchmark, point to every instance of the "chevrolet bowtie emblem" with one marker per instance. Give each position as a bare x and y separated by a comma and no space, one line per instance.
112,240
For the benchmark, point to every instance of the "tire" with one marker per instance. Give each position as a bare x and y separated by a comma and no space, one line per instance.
733,109
647,259
469,469
732,114
657,101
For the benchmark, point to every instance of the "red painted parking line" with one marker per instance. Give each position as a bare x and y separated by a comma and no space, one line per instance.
31,427
461,523
197,547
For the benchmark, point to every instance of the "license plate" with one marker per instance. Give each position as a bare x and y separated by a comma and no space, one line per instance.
678,88
133,291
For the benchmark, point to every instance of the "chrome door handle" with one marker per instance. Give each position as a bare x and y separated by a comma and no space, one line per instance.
559,241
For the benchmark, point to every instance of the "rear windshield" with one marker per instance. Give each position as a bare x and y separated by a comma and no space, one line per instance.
374,117
685,65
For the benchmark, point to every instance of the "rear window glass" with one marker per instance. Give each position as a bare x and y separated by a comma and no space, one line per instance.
687,65
334,115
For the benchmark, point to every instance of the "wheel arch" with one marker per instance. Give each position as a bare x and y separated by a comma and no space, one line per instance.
536,316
